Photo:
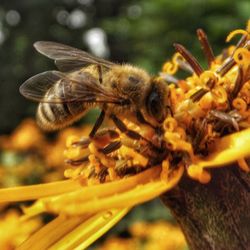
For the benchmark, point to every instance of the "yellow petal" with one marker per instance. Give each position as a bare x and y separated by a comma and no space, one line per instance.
52,232
227,150
136,195
90,230
90,192
37,191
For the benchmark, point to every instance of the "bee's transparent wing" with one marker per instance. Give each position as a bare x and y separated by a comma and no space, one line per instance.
68,58
57,87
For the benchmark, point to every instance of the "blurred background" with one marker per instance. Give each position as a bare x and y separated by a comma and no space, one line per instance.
138,32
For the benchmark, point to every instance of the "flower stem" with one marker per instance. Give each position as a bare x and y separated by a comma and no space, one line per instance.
215,215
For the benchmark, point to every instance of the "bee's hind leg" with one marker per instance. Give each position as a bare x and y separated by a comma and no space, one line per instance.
98,124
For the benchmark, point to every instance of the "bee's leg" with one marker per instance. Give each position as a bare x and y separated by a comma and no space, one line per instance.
99,68
142,120
98,124
123,128
130,133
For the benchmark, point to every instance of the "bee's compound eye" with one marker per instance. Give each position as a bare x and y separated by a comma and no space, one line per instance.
133,80
155,106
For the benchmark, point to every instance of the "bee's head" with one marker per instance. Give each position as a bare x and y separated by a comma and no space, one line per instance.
156,100
148,95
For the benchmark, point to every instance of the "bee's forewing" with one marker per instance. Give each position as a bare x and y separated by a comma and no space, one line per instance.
58,87
68,58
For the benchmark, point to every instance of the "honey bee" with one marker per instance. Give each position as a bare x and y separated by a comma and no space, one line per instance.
84,82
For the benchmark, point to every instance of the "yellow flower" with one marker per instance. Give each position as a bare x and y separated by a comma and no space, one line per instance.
158,235
208,126
26,136
13,231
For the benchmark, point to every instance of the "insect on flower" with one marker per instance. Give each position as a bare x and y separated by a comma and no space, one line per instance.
85,82
170,124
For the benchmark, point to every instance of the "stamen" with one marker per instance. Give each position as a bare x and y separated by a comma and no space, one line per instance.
229,63
184,66
111,147
206,47
238,84
225,118
198,95
169,78
224,68
236,32
189,58
77,162
200,135
83,142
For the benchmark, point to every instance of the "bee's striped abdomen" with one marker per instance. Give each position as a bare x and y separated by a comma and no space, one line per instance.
52,116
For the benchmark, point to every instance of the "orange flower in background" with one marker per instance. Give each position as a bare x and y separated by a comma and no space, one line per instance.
13,231
28,156
158,235
26,136
207,127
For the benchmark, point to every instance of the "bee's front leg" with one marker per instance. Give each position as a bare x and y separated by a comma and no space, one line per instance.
123,128
98,124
